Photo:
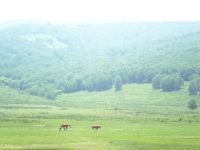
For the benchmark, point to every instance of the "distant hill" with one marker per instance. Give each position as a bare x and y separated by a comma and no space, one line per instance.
46,60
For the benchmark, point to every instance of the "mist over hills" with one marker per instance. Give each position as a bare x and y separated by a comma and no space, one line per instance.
46,60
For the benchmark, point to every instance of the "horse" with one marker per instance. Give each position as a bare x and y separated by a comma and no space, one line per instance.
65,126
96,127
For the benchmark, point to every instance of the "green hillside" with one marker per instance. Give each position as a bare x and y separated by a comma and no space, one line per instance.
47,60
11,96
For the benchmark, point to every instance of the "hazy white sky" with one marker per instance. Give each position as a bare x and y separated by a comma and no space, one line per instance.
92,11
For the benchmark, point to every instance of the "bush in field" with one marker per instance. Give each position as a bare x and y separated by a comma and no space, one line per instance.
171,83
118,84
193,88
156,81
51,95
35,90
192,104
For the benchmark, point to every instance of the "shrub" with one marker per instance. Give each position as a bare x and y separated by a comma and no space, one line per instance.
192,104
193,88
171,83
156,81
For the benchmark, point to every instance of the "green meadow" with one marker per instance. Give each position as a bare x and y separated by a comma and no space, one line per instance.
135,118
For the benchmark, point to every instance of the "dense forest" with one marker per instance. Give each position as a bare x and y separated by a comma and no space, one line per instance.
47,60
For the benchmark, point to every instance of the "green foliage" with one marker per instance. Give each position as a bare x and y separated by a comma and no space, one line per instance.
192,104
171,83
70,59
70,86
156,81
98,83
35,90
187,73
140,76
193,88
118,83
51,95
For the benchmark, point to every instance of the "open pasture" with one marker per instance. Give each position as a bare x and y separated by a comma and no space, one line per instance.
135,118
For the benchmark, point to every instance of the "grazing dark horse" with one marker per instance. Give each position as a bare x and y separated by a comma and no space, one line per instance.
65,126
96,127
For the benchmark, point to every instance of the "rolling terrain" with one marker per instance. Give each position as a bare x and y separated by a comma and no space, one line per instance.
55,74
137,117
47,60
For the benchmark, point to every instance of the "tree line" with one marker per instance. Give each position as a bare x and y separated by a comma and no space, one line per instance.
170,80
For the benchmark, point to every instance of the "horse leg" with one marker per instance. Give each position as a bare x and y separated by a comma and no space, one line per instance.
60,128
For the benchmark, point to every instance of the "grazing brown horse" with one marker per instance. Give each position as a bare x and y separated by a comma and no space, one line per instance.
96,127
65,126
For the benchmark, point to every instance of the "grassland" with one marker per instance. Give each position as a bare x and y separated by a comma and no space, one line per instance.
137,117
